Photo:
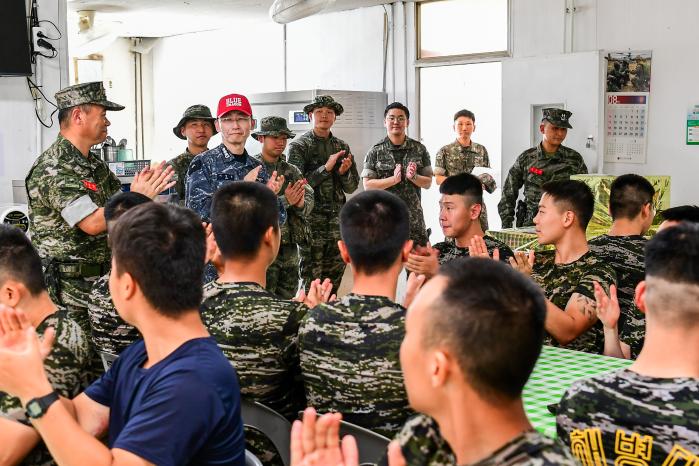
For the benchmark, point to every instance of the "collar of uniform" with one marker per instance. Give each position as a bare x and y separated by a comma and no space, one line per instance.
78,157
261,159
318,138
542,152
228,155
390,145
467,148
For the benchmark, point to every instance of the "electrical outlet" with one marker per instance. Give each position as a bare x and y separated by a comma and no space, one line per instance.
35,37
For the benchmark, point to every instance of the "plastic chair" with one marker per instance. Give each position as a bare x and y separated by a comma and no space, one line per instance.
107,359
251,460
271,423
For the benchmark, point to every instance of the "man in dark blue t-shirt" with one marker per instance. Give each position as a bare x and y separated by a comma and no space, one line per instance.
171,399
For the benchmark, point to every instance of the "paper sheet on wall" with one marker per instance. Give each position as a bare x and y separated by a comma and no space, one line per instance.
626,106
693,126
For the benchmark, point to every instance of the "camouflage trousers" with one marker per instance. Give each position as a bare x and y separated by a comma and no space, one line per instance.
321,259
484,218
74,294
283,275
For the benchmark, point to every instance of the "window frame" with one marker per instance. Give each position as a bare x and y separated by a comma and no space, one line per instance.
459,59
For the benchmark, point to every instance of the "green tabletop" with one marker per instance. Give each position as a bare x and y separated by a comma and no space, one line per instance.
555,371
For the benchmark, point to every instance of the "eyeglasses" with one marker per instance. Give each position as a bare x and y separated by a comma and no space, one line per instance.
228,121
392,119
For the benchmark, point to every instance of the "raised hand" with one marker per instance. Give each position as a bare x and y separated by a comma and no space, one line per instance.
608,310
411,171
253,174
275,182
22,354
332,160
522,261
478,248
294,193
397,173
345,165
152,181
423,261
317,442
412,288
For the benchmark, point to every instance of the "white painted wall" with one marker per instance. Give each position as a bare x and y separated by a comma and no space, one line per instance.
200,68
341,51
333,51
668,30
21,136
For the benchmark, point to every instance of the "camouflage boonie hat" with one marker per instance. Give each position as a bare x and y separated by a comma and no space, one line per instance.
324,101
195,112
557,117
273,126
85,93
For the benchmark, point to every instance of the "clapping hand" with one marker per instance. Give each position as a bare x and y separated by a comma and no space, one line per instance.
522,261
295,192
152,181
608,310
478,248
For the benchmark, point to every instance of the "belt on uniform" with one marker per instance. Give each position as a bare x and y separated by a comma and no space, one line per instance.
81,270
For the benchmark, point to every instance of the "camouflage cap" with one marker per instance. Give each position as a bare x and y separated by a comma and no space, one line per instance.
273,126
557,117
195,112
324,101
85,93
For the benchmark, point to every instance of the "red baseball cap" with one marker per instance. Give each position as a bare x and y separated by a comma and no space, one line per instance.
231,102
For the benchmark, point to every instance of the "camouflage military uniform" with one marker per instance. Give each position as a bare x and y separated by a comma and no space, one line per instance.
349,360
449,251
561,281
110,334
532,169
257,332
623,417
381,161
422,444
283,275
180,164
214,168
454,159
207,173
310,153
63,187
626,255
65,367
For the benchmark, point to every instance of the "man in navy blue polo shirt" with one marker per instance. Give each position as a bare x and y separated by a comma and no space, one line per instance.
171,399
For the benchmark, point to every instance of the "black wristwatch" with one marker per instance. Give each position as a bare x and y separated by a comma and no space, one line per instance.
37,407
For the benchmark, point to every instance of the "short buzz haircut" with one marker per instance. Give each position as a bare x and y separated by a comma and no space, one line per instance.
464,184
241,213
374,226
465,113
398,106
64,113
492,319
119,203
672,275
573,195
19,260
682,213
627,196
162,246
